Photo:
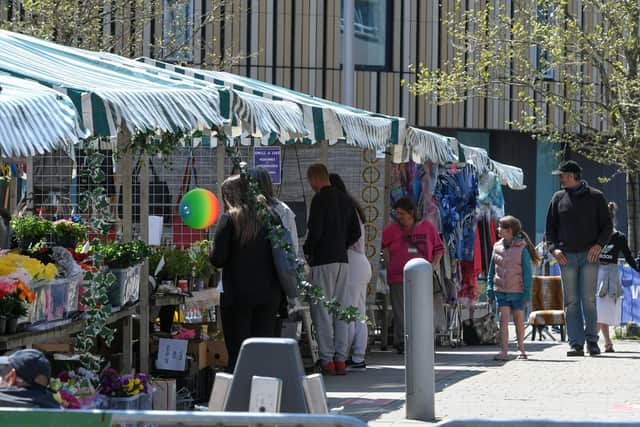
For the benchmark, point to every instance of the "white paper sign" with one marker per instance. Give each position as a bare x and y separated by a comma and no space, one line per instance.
172,355
155,230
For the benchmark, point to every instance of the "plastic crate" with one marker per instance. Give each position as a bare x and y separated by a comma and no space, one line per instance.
50,300
126,288
57,299
73,294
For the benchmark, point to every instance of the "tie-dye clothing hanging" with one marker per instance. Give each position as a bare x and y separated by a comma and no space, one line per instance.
457,196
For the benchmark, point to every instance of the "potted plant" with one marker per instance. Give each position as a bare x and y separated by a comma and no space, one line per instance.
124,254
29,230
177,264
131,391
68,233
14,298
201,266
124,260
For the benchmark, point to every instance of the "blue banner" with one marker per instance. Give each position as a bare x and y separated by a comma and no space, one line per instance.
631,291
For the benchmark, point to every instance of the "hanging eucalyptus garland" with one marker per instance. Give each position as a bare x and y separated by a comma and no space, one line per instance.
308,292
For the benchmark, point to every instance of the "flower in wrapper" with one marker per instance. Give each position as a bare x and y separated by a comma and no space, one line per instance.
67,400
112,384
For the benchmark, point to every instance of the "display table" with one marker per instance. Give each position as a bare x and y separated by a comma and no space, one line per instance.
50,332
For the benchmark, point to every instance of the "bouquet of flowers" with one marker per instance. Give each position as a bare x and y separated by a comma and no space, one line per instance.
75,389
14,297
114,385
12,263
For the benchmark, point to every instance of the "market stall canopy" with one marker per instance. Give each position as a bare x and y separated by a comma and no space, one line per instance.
110,95
253,104
35,119
421,145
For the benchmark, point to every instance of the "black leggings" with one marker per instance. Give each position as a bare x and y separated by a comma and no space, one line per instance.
242,321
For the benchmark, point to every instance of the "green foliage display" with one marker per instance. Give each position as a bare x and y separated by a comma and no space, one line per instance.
573,69
123,254
199,258
177,264
69,229
30,228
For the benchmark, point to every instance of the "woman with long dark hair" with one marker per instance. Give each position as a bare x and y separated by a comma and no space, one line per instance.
251,290
359,277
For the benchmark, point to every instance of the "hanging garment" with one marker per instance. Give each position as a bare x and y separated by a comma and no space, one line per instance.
457,195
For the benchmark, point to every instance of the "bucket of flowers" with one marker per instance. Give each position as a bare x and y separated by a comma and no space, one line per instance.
15,296
76,389
130,391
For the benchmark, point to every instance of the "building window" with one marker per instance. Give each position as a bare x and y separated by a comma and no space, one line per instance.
543,58
177,30
372,31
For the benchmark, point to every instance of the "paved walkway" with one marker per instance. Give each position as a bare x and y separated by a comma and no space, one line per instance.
470,384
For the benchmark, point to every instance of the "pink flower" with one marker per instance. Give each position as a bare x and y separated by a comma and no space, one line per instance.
63,376
69,401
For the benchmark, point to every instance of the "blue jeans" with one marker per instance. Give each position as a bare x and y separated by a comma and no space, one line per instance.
579,278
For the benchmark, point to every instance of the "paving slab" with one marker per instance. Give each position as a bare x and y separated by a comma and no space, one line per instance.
470,384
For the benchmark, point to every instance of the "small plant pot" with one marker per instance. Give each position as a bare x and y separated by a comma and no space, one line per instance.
3,324
12,325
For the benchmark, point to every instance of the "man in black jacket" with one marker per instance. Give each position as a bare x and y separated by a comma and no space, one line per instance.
332,228
578,226
24,380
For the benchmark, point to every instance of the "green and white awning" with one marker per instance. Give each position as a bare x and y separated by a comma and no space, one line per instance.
422,145
318,119
35,119
110,94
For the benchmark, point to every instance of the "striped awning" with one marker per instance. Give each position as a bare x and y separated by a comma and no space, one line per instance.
422,145
317,119
35,119
110,93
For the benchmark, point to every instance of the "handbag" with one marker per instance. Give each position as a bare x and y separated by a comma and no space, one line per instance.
481,331
286,269
183,235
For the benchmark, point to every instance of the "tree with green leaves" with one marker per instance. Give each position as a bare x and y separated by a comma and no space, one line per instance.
121,26
571,66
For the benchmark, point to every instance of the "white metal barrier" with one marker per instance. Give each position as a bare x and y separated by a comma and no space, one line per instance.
23,416
535,423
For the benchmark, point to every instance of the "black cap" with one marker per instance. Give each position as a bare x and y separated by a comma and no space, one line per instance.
29,365
568,166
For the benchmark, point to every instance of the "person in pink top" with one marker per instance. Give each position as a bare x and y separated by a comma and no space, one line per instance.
403,240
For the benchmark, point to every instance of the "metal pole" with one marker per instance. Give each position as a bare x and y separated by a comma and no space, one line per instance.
418,330
348,67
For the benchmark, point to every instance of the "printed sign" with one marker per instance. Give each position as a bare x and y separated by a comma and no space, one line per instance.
631,290
172,355
269,158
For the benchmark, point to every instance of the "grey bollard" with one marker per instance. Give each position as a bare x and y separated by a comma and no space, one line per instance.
268,357
418,339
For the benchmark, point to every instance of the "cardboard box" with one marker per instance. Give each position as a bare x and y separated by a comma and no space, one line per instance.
217,354
198,350
55,348
164,398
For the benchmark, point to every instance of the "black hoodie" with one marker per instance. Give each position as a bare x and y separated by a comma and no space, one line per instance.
31,396
578,219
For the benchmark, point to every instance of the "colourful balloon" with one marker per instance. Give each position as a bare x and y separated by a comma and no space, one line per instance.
199,208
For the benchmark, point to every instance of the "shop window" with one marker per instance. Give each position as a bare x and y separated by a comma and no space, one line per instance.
372,33
177,30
